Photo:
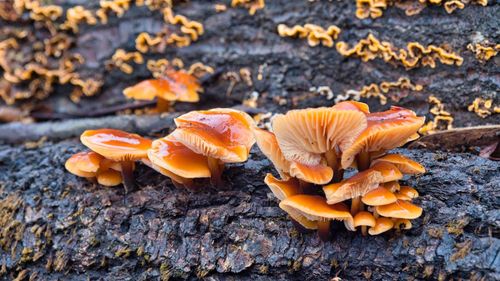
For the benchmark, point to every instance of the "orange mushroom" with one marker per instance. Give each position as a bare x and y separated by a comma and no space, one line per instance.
118,146
313,212
268,145
405,165
402,224
315,137
174,86
400,209
93,166
379,196
407,193
173,159
382,225
364,219
222,135
283,189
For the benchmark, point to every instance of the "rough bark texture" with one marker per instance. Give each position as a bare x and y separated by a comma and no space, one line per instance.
93,232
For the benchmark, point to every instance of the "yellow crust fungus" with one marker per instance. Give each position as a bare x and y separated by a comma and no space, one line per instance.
483,108
77,15
414,55
251,5
484,52
121,58
315,34
119,7
441,117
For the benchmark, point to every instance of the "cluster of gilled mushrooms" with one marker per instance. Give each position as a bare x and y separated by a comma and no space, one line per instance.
198,148
311,148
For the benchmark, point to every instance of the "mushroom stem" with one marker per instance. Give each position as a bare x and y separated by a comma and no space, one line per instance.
356,205
215,171
128,175
324,230
332,161
364,230
363,161
162,105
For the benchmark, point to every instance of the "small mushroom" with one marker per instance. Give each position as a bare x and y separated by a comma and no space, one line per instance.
171,155
379,196
84,164
407,193
222,135
118,146
174,86
313,212
400,209
283,189
402,224
392,186
405,165
267,143
382,225
364,219
109,177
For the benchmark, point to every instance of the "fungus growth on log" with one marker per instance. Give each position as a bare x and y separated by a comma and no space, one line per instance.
312,147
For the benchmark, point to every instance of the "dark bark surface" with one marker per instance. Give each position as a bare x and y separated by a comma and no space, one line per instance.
68,228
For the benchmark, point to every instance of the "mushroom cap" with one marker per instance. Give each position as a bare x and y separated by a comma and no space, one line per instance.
402,224
116,145
282,189
408,192
172,155
268,144
150,89
220,133
317,174
305,134
352,105
382,225
84,164
385,130
392,186
379,196
162,171
364,219
109,178
107,164
357,185
389,171
309,209
400,209
405,165
184,85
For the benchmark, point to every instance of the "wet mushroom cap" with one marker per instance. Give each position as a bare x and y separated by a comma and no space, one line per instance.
175,157
364,219
84,164
388,171
109,178
409,192
267,143
382,225
150,89
355,186
305,134
219,133
379,196
385,130
116,145
309,209
184,85
282,189
400,209
405,165
317,174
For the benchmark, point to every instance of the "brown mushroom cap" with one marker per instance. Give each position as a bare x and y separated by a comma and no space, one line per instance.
379,196
84,164
304,135
386,130
407,193
308,210
382,225
405,165
282,189
219,133
400,209
172,155
269,146
355,186
109,178
364,219
317,174
116,145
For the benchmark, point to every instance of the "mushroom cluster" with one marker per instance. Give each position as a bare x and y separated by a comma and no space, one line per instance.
200,146
311,148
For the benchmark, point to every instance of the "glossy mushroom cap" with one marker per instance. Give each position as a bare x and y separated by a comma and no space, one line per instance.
176,86
172,155
219,133
352,105
317,174
355,186
109,178
364,219
282,189
388,171
84,164
269,146
382,225
308,210
407,193
392,186
385,130
116,145
379,196
405,165
400,209
304,135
